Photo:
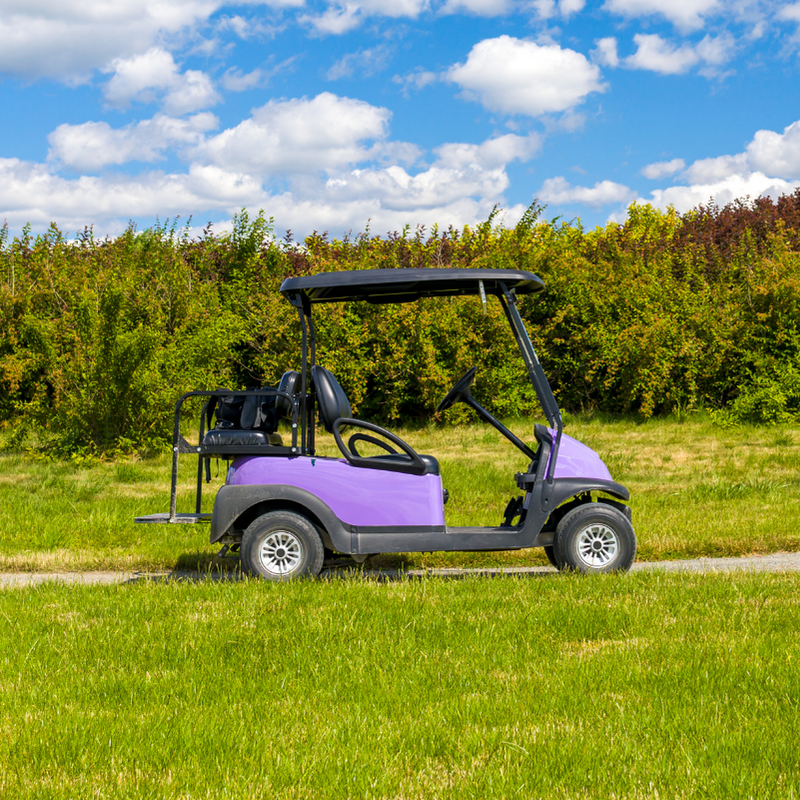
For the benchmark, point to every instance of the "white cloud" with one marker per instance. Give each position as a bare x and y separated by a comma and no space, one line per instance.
658,55
298,136
436,186
340,18
569,7
605,52
655,54
770,166
139,78
31,193
546,9
687,15
483,8
191,91
394,8
716,51
416,80
364,62
94,145
253,27
776,153
336,20
462,175
661,169
155,75
560,191
235,80
713,170
68,39
725,191
460,187
790,12
517,76
491,154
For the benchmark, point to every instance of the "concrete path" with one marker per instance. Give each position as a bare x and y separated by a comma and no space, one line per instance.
776,562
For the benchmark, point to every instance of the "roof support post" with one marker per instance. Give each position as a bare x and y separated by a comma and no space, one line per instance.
311,417
536,374
299,301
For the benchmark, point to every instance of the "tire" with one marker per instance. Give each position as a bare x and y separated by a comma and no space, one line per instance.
281,546
550,552
595,538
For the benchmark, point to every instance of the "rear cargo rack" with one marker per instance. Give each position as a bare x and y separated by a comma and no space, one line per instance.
183,518
204,452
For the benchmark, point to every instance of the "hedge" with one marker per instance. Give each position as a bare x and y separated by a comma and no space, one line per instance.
664,313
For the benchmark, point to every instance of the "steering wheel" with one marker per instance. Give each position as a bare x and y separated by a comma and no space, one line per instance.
459,392
365,437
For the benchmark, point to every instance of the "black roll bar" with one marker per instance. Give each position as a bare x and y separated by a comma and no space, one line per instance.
308,340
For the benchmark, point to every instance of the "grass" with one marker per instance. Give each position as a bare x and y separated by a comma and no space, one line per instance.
638,686
697,490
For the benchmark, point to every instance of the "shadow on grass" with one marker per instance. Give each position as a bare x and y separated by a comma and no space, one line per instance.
194,567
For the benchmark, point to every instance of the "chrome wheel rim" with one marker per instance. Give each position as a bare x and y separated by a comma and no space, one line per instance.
281,553
598,545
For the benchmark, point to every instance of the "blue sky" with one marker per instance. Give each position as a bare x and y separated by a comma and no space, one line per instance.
332,116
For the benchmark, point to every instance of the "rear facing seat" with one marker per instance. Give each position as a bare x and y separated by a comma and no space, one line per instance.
225,436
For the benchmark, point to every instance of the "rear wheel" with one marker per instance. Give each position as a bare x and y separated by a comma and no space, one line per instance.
280,546
595,537
550,552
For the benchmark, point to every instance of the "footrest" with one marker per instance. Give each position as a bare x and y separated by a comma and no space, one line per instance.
165,518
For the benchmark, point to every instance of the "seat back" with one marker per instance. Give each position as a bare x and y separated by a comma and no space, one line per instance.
289,383
331,399
258,413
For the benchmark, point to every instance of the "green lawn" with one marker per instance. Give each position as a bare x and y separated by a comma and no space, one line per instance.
637,686
696,490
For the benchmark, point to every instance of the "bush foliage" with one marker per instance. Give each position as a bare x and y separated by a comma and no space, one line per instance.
663,313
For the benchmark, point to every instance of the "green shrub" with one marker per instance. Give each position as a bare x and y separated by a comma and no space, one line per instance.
663,313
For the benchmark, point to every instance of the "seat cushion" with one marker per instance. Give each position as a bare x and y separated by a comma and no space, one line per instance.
232,436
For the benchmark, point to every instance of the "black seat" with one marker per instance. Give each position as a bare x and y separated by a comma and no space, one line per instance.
331,399
248,437
225,437
333,405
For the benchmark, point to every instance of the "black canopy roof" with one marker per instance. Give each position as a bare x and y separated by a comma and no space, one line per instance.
404,285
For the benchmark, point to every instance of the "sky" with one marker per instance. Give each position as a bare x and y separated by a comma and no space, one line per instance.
377,114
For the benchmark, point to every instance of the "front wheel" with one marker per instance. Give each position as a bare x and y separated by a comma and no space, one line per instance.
280,546
595,537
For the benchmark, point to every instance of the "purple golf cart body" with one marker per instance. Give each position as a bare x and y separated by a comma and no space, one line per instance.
286,508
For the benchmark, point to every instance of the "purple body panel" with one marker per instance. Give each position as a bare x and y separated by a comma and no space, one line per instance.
372,497
576,460
357,495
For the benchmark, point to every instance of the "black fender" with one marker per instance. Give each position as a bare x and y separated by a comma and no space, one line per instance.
235,507
561,489
555,501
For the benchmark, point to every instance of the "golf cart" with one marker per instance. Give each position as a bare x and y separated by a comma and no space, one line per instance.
284,507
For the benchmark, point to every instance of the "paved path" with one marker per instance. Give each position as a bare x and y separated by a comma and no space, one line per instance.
776,562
